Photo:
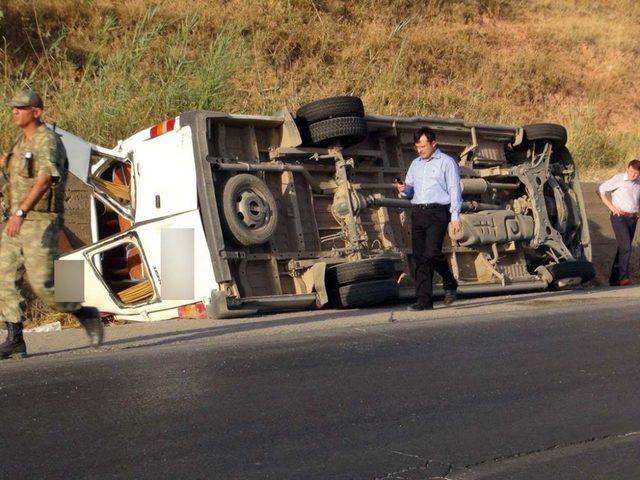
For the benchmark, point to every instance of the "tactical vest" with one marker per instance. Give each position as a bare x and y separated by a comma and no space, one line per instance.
52,201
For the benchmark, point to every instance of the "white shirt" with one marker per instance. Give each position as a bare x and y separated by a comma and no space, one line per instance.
625,194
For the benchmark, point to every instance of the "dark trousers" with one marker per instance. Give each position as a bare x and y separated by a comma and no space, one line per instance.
428,228
624,229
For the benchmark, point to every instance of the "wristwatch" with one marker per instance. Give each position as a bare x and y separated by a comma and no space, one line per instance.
20,213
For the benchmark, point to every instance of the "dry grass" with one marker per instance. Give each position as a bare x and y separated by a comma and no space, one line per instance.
36,313
109,68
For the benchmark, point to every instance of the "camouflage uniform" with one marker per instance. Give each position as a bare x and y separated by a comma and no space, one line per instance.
36,245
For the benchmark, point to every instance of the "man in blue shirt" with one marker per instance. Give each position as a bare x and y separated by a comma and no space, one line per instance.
433,184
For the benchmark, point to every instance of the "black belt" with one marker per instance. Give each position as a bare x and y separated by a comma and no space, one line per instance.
426,206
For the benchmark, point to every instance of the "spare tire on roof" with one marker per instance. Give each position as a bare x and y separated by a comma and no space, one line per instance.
332,107
342,131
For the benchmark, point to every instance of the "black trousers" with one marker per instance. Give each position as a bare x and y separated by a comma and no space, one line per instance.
624,229
428,229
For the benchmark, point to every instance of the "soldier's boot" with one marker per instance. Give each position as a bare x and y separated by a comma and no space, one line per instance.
14,345
89,318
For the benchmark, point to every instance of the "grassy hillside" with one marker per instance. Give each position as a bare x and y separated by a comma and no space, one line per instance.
109,68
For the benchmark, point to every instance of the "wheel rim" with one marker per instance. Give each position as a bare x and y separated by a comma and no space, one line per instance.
252,209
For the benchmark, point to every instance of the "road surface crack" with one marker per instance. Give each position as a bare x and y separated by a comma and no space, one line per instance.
430,469
437,469
487,467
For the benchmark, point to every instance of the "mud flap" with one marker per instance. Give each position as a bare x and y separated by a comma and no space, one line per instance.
290,133
314,277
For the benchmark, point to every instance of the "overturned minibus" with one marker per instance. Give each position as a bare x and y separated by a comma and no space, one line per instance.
225,215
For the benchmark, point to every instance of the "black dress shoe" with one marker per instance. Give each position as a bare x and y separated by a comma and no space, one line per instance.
450,296
417,307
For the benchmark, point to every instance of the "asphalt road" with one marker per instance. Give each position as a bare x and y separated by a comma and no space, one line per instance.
541,388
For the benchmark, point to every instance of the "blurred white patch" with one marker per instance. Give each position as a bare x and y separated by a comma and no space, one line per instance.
177,263
68,280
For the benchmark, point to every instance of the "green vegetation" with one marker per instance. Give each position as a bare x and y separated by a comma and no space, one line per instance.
108,68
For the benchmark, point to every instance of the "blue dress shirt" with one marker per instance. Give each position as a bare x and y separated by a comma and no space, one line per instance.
435,180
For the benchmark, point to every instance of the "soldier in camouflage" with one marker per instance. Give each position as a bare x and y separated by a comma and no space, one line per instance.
35,171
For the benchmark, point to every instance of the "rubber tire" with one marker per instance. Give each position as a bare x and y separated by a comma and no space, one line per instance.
232,225
550,132
360,271
365,294
345,130
574,268
563,156
332,107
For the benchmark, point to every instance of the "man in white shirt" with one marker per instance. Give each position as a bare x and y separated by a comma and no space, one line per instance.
624,205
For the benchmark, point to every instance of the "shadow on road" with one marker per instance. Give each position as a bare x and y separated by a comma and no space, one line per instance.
522,298
168,338
305,317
